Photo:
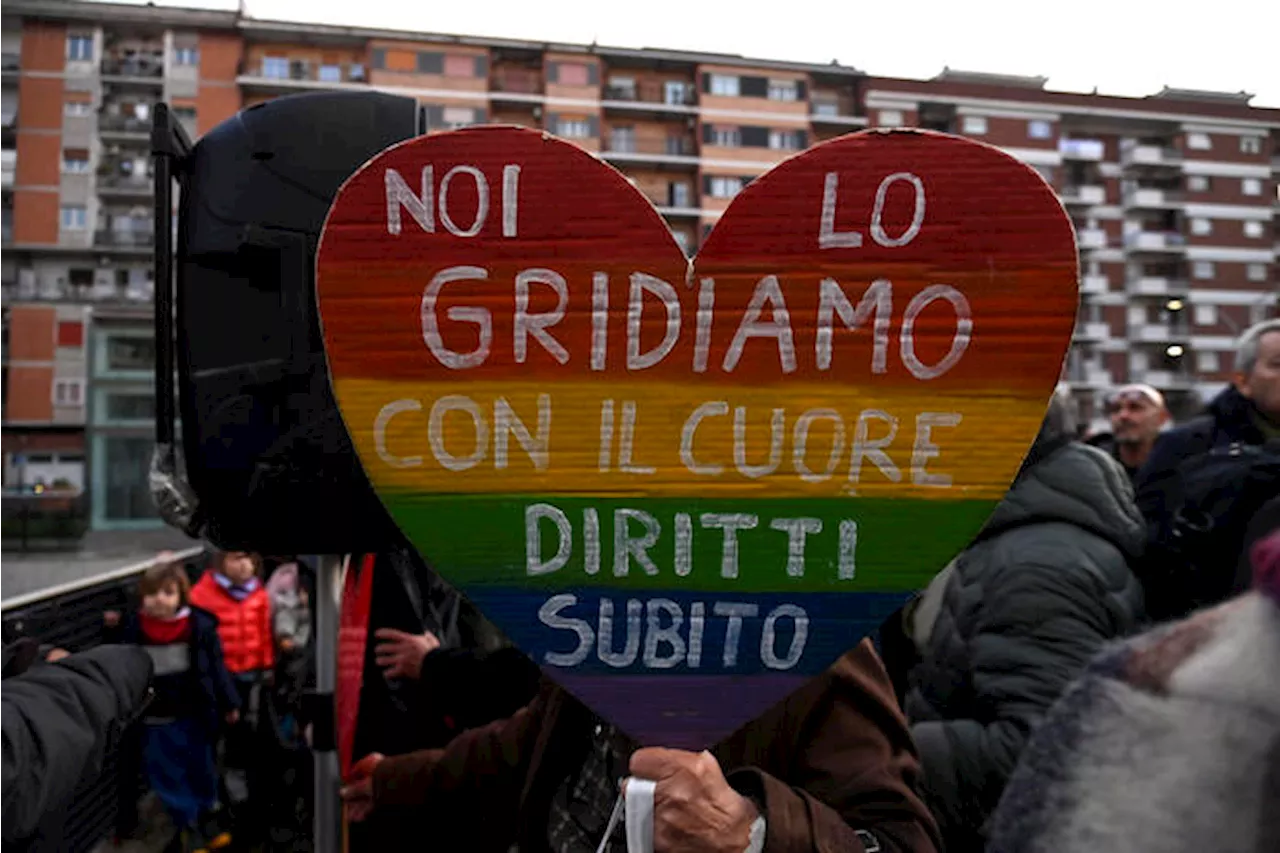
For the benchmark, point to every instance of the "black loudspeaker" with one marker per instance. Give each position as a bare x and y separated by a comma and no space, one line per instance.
266,453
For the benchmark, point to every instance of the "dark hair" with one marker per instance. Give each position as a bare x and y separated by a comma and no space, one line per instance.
220,559
161,575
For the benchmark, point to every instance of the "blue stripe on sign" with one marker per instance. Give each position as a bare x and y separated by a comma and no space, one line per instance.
589,630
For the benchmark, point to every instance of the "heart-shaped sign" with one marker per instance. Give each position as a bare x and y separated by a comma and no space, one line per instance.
684,490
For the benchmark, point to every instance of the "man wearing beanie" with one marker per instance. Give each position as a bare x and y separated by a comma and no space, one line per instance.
1170,741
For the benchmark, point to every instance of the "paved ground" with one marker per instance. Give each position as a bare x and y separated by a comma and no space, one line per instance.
99,552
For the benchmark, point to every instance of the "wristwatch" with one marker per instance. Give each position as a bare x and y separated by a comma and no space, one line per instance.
869,842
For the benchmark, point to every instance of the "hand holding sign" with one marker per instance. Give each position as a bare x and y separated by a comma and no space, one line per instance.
683,490
694,809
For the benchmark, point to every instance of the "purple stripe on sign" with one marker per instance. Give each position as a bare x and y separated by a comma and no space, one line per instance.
680,712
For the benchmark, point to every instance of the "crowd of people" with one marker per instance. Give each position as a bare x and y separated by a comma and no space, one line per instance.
1095,671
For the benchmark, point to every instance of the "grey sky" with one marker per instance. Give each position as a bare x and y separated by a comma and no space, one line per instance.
1123,47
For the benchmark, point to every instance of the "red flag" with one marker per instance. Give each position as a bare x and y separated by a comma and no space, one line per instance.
353,635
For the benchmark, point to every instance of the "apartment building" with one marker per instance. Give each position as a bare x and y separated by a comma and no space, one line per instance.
1174,196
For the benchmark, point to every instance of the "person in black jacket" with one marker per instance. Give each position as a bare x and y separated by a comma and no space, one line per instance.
1245,412
60,721
1006,627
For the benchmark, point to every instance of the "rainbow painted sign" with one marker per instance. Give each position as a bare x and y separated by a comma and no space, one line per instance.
685,488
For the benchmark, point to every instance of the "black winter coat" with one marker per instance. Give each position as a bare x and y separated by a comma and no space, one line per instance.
1044,586
60,721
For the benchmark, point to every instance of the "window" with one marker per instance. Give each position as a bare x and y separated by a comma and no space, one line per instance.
186,56
275,67
1251,186
573,74
355,71
68,392
721,186
329,74
71,333
1199,141
1198,183
77,108
1039,129
974,125
724,84
623,88
678,194
573,128
826,108
727,137
891,118
186,115
1207,362
79,48
784,140
459,65
676,92
379,57
1251,145
1257,272
75,162
130,407
1201,227
1206,315
622,139
1202,270
455,117
128,353
783,90
1253,229
74,217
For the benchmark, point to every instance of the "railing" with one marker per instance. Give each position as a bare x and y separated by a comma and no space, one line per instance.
133,67
1082,149
53,518
10,61
111,179
1154,240
651,93
670,147
70,617
517,84
123,124
124,239
77,293
1085,194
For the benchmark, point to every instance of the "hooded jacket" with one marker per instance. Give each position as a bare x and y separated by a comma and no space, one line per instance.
1044,586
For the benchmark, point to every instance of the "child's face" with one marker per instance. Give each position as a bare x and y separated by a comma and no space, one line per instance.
238,566
163,603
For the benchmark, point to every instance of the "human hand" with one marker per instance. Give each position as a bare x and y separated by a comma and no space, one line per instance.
694,808
400,654
111,618
232,717
56,655
358,794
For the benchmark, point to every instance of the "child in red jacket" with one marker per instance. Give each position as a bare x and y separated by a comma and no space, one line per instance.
232,591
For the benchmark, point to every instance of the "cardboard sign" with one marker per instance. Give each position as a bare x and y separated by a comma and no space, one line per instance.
684,489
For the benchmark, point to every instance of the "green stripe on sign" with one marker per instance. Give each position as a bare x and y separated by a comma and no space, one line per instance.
898,546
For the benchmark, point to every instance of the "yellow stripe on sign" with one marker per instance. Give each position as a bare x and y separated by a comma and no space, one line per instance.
652,439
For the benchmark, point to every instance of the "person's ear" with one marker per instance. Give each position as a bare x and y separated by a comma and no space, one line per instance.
1241,381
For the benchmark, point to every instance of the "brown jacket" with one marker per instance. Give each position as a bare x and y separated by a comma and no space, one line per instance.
833,757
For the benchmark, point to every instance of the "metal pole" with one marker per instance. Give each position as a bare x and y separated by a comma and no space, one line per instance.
327,831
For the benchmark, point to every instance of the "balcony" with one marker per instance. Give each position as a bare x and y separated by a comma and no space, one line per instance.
516,86
1084,194
1091,238
1149,155
122,239
1155,241
1095,284
1165,379
140,68
10,61
8,166
50,291
1090,375
1154,285
112,183
1089,150
1159,332
651,96
674,150
1152,197
113,124
1092,331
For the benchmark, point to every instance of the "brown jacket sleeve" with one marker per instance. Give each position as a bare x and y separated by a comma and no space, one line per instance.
833,758
472,786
